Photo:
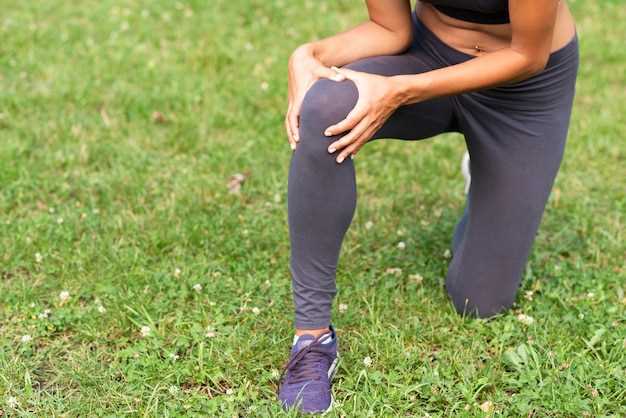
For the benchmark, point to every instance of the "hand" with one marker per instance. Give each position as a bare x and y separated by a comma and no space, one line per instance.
304,70
378,99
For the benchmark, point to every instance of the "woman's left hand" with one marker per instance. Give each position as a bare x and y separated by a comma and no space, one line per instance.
378,99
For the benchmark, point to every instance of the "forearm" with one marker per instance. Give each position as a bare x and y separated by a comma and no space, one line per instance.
490,70
365,40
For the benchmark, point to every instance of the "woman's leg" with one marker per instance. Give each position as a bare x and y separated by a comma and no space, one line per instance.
322,193
516,137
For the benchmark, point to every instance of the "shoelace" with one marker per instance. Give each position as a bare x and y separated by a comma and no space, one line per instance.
303,365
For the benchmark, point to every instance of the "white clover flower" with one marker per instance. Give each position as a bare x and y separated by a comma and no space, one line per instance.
174,356
401,245
275,374
343,307
26,339
265,86
210,332
64,296
38,257
367,361
45,314
229,391
256,310
369,225
525,319
101,309
394,270
173,390
416,278
197,287
145,331
59,221
400,232
447,253
177,272
12,402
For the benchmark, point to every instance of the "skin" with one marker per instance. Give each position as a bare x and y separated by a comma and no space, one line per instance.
504,53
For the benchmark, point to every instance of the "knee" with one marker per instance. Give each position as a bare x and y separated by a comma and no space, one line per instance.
326,103
476,301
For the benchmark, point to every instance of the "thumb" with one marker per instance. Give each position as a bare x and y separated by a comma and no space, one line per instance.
347,73
330,73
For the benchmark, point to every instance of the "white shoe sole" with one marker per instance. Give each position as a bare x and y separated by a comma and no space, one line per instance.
465,170
332,370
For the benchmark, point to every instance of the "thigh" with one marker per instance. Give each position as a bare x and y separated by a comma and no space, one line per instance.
515,156
416,121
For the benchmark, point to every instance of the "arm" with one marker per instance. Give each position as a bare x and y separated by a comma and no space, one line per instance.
388,31
532,25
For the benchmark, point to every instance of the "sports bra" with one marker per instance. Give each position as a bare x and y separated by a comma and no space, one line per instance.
477,11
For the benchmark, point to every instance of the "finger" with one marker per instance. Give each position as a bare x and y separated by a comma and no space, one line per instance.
292,143
347,73
349,122
294,121
330,73
356,145
349,138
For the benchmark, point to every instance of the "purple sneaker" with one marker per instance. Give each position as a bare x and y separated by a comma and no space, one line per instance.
305,382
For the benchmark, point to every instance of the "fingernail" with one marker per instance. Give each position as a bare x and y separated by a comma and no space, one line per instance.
352,156
331,150
340,160
293,146
327,133
297,138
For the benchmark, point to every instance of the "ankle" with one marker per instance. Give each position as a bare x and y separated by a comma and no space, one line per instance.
315,332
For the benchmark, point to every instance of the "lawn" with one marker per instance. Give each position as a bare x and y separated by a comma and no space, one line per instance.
134,283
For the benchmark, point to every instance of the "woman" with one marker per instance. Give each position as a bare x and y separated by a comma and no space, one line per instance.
501,72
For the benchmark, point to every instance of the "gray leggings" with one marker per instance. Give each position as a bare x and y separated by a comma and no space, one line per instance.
515,135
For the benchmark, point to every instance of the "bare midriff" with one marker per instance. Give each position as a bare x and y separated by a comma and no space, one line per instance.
476,38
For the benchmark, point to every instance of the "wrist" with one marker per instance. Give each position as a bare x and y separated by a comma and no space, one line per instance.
409,89
319,51
304,50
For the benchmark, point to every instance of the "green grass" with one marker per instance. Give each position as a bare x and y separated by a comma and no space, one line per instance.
99,199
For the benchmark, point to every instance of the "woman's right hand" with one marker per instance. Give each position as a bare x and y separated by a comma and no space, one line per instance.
304,70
